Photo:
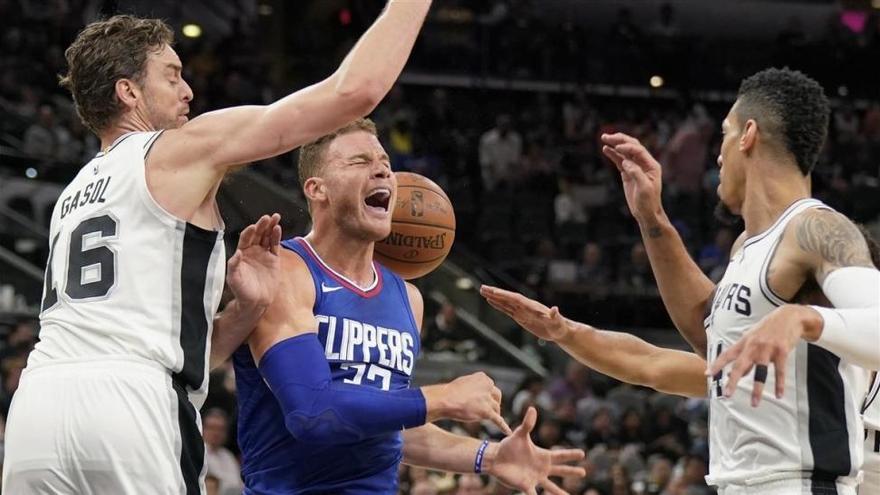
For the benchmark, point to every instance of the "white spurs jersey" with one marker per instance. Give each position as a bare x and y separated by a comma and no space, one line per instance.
125,278
815,431
871,415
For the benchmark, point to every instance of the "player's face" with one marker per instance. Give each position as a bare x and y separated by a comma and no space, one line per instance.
360,185
166,94
732,179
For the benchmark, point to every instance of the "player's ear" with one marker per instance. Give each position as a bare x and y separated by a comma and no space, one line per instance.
128,92
314,189
749,136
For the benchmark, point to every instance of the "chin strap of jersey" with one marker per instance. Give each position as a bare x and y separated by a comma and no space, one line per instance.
318,410
852,328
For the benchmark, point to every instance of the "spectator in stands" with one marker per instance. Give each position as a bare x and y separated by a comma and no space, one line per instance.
500,154
445,331
470,484
219,460
41,137
574,385
601,430
20,340
567,206
10,369
691,479
530,393
685,155
635,274
212,485
659,474
592,270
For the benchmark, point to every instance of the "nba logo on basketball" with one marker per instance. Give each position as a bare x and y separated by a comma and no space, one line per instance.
417,203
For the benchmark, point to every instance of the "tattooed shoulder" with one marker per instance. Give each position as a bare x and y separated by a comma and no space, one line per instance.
834,238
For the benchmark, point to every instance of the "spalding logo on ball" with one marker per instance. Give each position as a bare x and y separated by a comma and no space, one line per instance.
422,228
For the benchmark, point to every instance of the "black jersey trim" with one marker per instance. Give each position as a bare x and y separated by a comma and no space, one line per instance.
198,246
192,447
828,434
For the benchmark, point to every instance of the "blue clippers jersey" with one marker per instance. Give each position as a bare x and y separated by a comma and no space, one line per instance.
370,339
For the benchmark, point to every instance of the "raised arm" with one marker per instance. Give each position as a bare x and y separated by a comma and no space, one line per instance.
201,151
619,355
683,286
515,461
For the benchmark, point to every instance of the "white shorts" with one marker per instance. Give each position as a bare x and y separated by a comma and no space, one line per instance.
791,486
102,427
871,467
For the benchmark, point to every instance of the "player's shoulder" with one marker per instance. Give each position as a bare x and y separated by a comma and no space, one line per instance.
295,270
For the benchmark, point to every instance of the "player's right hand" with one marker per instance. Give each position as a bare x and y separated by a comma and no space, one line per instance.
543,322
639,171
467,399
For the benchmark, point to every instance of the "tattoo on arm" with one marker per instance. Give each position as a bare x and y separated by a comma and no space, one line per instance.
655,232
834,238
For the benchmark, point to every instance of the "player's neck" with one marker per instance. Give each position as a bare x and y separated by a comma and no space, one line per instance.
769,195
352,258
130,122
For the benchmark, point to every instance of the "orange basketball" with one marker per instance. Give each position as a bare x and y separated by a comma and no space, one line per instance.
422,228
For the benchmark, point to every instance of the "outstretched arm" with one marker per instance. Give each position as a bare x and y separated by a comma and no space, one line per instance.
685,289
515,461
619,355
185,164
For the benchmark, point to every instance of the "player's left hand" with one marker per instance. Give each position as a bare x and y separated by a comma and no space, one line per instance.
771,340
254,271
520,464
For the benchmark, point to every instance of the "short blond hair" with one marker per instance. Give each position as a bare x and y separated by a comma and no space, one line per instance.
311,156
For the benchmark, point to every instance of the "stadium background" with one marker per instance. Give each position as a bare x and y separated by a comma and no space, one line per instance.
501,103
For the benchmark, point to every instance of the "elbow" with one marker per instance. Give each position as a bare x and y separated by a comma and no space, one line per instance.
362,97
324,428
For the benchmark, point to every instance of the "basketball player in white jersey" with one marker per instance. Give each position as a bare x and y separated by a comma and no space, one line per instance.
807,436
630,359
109,400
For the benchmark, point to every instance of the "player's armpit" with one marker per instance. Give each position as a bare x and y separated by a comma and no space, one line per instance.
828,241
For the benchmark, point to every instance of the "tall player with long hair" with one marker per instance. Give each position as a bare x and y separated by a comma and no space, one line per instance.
109,400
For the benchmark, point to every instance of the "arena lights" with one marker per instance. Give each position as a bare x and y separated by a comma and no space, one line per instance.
30,173
656,82
192,30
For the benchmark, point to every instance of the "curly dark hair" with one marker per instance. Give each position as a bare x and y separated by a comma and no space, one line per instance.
791,108
105,52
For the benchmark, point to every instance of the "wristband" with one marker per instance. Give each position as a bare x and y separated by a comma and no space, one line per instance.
478,461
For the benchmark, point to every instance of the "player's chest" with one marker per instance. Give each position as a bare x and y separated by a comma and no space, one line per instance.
740,299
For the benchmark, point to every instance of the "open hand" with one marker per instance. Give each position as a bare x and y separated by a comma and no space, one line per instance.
518,463
545,323
254,271
639,171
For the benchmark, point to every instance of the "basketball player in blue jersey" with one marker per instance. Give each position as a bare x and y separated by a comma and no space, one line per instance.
129,323
805,436
325,404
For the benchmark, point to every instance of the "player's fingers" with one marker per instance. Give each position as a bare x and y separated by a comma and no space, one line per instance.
561,456
618,138
246,239
531,491
503,307
496,394
741,366
528,423
614,156
638,154
759,379
568,471
275,240
233,262
779,369
551,487
724,359
501,424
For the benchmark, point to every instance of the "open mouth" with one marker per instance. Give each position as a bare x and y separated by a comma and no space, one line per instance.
378,200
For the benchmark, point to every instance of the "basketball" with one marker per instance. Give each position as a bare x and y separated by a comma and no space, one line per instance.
422,228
